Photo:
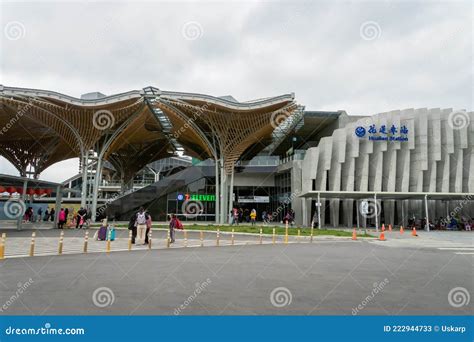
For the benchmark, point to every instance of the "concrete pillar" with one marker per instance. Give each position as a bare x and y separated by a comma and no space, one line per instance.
319,211
427,214
376,214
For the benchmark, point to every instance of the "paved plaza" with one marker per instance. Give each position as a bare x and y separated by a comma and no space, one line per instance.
337,276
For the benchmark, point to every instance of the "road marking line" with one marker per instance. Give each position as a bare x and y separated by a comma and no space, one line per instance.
464,253
457,248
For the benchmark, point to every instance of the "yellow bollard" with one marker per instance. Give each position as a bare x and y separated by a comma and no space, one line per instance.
232,237
286,232
61,241
107,246
168,239
217,237
312,233
2,246
201,237
274,236
149,239
86,241
130,240
185,238
260,238
32,245
299,234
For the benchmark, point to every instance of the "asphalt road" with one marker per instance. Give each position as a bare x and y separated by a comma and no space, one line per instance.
326,277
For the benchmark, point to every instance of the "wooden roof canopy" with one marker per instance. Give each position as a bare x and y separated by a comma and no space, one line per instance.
40,127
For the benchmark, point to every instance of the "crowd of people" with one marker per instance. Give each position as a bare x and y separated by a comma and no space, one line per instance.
239,215
442,223
66,217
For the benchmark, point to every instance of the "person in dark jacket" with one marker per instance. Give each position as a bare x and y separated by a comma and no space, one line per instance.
51,214
81,218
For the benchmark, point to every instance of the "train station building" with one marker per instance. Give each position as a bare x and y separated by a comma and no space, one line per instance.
199,156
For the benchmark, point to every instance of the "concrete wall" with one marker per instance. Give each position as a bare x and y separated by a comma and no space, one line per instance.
438,157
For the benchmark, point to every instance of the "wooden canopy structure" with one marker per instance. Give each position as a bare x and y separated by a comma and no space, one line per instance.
39,128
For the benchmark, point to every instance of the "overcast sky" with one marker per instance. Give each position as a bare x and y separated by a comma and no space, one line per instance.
362,57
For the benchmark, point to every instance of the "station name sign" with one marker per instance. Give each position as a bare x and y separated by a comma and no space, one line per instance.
383,133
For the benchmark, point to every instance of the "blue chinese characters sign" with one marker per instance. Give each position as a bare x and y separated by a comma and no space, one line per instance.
383,132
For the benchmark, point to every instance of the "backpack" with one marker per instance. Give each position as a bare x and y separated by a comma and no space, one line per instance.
179,225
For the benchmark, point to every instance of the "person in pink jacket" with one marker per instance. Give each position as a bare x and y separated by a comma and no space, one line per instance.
148,228
61,219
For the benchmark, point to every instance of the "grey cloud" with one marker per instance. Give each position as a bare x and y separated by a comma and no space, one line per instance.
423,57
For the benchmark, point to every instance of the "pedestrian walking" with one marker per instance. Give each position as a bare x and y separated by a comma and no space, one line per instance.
132,225
51,214
148,229
173,225
253,216
80,218
40,214
141,218
46,215
61,218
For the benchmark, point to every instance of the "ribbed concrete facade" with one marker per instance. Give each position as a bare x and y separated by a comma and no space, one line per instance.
437,157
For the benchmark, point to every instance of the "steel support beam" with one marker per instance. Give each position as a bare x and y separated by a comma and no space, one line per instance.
217,203
231,191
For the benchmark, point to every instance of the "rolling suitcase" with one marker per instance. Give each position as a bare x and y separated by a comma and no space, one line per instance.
111,233
102,234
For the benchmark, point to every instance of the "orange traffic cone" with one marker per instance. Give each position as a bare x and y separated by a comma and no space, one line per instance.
354,235
413,232
383,227
382,237
401,230
389,227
